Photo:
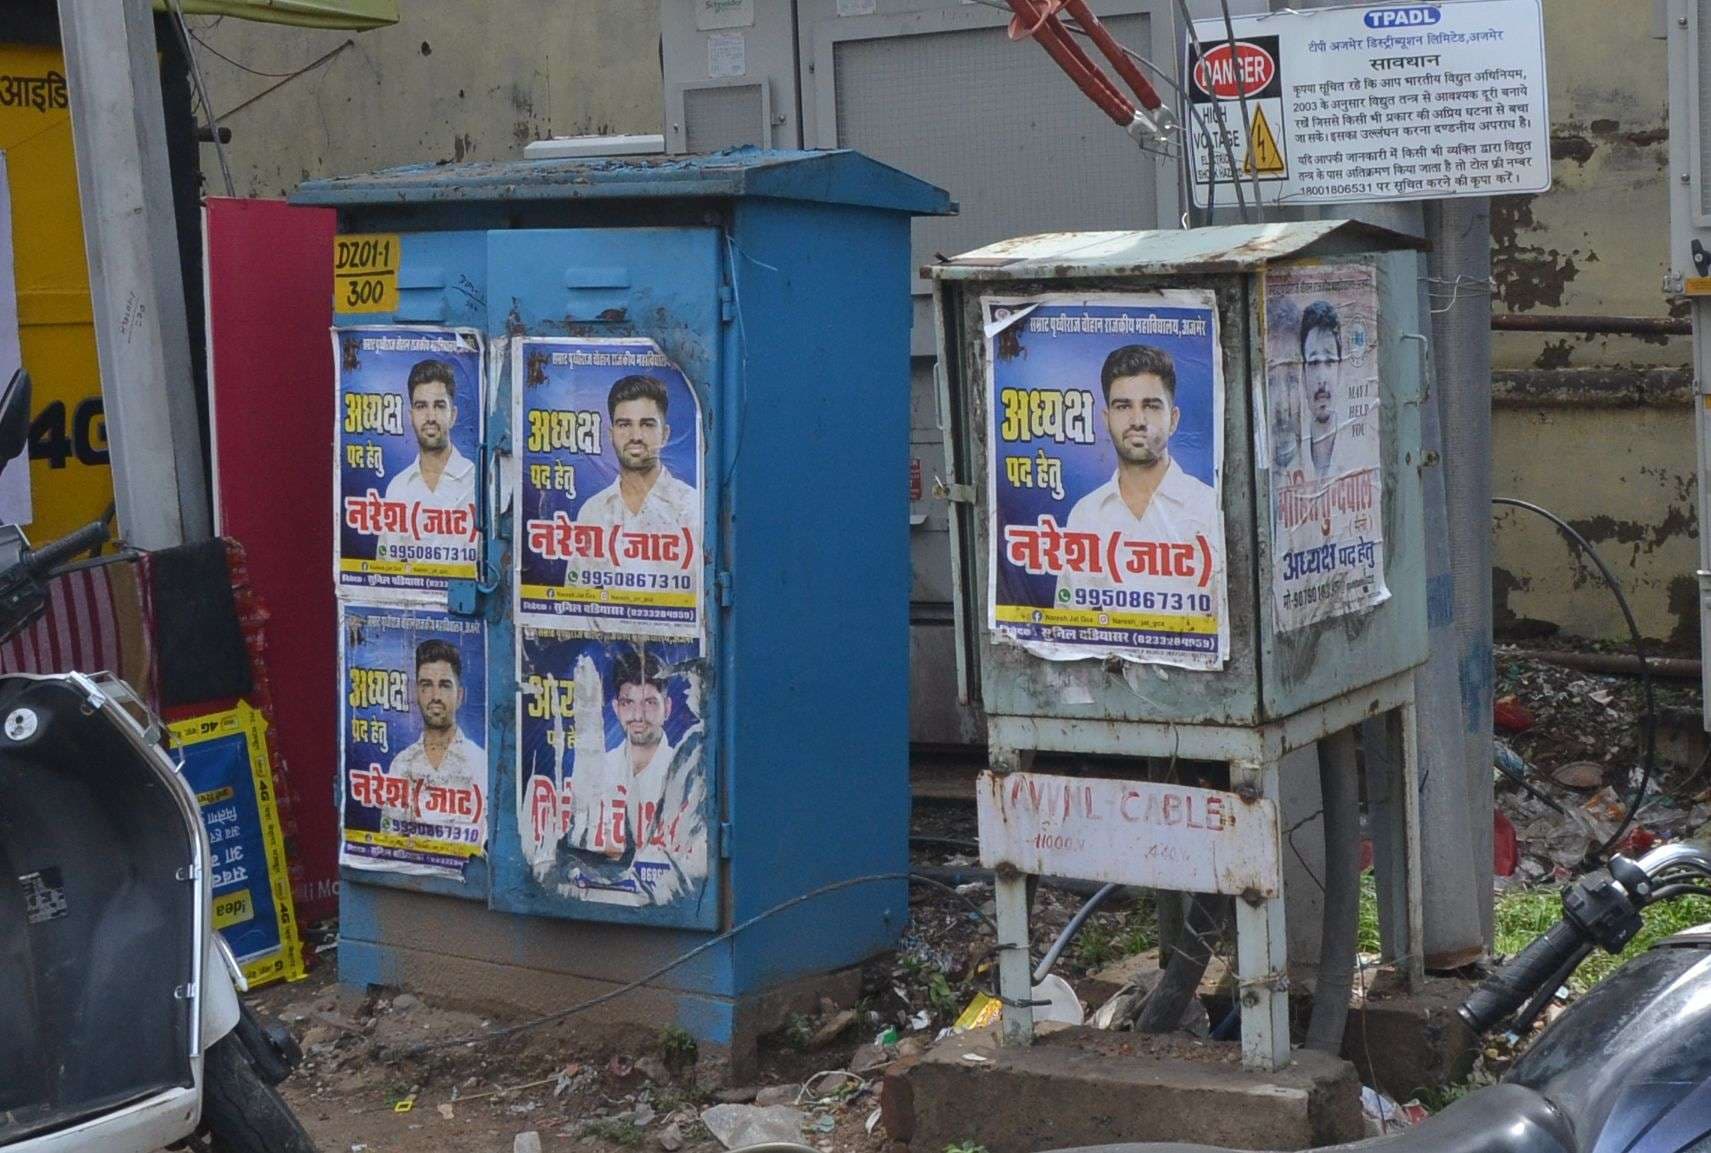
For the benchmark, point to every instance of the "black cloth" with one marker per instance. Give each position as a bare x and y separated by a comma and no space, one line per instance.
199,644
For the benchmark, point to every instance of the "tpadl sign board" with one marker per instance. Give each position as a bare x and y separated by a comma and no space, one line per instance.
1369,103
1159,836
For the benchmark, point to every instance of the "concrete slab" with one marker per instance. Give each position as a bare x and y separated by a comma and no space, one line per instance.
1402,1043
1081,1086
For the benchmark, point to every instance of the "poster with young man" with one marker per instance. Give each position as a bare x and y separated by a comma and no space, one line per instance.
1106,421
611,488
612,792
409,417
1327,490
415,770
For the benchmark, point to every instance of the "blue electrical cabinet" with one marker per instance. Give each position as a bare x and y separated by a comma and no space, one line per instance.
657,592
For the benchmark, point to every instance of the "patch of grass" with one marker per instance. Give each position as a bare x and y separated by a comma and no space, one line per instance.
941,997
1522,915
965,1147
677,1046
1102,942
798,1031
1368,939
626,1133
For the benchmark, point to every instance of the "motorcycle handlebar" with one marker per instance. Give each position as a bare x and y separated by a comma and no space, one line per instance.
41,562
1514,984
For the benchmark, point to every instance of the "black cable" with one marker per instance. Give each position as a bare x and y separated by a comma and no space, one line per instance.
685,958
1247,122
242,67
1637,798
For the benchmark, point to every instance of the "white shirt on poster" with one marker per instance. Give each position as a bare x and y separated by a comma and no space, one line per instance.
463,766
1181,508
456,489
669,507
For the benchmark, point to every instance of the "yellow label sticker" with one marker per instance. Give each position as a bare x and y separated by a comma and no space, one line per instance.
365,272
233,909
1696,286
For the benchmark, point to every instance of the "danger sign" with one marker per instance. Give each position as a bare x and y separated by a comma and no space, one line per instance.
1369,102
1237,94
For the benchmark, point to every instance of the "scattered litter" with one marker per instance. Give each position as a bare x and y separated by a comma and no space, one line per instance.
831,1085
977,1058
825,1124
1511,715
980,1012
644,1115
1063,1005
873,1120
887,1036
446,1110
920,1020
1383,1115
738,1125
1579,775
671,1138
405,1105
528,1141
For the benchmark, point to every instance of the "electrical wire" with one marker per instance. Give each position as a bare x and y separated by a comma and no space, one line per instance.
684,958
1242,97
183,30
242,67
1638,796
1218,115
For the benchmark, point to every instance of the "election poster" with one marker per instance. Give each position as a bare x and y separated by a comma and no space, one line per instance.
1106,421
1322,401
225,761
415,717
409,414
611,488
612,801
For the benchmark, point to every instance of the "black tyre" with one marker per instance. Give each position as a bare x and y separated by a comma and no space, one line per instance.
240,1111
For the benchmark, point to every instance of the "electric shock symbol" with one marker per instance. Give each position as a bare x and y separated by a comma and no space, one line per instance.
1264,157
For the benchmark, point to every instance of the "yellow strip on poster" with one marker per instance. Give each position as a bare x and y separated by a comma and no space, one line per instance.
246,858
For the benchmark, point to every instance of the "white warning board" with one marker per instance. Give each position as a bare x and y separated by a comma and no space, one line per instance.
1387,102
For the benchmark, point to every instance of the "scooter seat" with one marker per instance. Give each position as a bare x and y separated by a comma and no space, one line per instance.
1501,1119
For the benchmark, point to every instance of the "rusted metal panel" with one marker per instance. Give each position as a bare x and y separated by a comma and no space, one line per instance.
1161,836
1229,248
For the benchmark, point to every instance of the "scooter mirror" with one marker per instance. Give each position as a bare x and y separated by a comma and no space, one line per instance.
14,417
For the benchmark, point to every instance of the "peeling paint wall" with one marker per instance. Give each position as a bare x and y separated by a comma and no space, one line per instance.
449,81
1596,428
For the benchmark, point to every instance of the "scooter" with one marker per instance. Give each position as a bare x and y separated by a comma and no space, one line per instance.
1625,1068
121,1030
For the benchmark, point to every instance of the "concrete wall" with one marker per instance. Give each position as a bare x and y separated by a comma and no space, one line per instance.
452,80
1598,429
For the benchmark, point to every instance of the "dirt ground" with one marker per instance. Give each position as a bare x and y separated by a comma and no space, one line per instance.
367,1087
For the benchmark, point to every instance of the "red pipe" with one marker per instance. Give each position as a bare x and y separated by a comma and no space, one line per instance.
1114,53
1041,23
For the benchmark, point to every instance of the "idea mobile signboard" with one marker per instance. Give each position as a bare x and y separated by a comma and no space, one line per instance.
1370,103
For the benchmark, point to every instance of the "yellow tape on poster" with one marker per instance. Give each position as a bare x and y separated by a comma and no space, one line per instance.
226,761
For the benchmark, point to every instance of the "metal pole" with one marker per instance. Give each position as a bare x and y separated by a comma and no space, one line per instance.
1457,801
141,337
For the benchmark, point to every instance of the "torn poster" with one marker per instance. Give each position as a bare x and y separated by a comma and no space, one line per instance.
1106,419
1322,425
613,797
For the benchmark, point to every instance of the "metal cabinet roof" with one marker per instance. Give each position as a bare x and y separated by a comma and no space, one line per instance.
1227,248
839,176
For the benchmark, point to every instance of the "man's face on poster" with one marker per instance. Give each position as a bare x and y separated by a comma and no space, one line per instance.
432,415
1142,416
642,709
638,432
1322,363
438,694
